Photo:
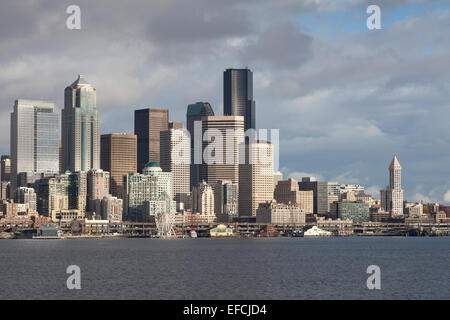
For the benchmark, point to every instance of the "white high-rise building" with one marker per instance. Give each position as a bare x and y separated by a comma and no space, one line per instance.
34,139
255,177
175,157
392,196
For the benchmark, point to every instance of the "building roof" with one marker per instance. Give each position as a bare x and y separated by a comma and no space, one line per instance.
80,82
395,163
152,165
200,109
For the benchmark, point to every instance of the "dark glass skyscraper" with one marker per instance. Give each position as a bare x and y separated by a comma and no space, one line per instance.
238,95
195,112
148,124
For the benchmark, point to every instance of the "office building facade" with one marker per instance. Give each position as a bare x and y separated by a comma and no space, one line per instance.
34,139
144,193
80,138
118,157
320,193
238,95
255,177
148,124
287,191
203,199
6,168
195,113
222,137
226,198
176,158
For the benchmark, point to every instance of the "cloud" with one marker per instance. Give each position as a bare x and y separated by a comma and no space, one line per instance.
447,196
282,45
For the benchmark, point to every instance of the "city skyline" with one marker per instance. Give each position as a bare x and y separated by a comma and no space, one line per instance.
358,106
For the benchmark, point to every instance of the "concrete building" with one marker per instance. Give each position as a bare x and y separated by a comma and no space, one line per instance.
392,196
414,209
320,193
118,157
80,136
67,215
277,176
8,208
238,96
288,191
195,113
226,198
255,176
26,196
144,192
34,139
62,192
5,168
333,193
98,182
355,188
176,158
364,197
222,136
357,211
148,124
5,190
203,199
280,213
111,208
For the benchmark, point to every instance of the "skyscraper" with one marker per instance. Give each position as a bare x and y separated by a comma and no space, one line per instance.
392,196
80,127
222,136
255,177
195,112
238,95
34,139
118,157
176,158
148,124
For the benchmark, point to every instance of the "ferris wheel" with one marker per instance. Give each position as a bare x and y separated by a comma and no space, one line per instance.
164,220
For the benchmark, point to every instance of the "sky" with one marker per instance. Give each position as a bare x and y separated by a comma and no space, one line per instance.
345,98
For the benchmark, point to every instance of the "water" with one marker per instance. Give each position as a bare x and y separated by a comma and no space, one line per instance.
274,268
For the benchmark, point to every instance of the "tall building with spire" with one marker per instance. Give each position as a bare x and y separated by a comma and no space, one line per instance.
392,196
80,127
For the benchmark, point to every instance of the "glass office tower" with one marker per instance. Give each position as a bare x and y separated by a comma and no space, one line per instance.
80,128
238,96
34,139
